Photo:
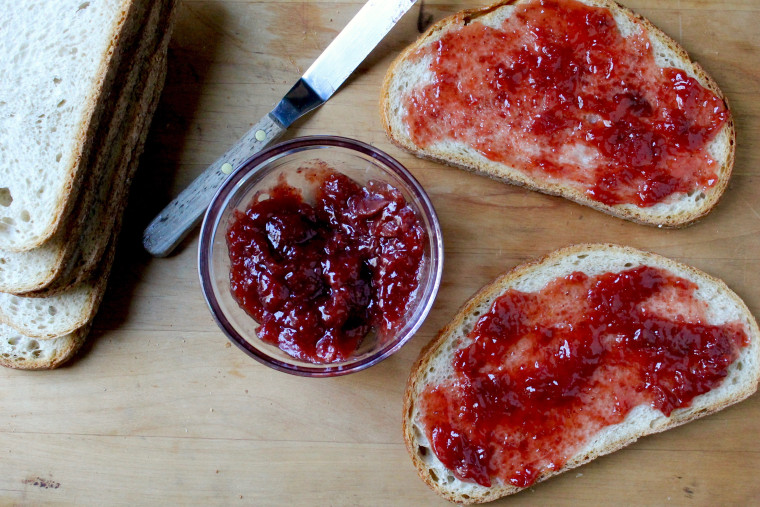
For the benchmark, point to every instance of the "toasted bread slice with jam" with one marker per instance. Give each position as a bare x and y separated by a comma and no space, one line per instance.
537,103
542,359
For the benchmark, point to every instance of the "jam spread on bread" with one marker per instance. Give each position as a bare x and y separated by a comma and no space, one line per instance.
544,371
319,277
558,92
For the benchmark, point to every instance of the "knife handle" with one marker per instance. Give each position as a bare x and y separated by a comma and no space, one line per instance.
176,220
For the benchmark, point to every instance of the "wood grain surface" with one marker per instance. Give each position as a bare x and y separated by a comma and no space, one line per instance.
160,409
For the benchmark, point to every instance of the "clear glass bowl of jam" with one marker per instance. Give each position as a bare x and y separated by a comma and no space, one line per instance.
320,256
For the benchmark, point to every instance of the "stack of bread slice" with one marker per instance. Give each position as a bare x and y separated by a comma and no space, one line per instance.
76,101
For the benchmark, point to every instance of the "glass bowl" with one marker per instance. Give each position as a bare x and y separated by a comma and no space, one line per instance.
362,163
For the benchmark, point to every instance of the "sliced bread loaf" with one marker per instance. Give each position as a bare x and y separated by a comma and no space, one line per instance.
73,253
478,363
55,315
49,116
537,103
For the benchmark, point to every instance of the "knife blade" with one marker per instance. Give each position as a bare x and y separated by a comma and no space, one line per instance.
368,27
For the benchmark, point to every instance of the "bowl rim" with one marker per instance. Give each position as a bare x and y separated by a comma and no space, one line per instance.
255,164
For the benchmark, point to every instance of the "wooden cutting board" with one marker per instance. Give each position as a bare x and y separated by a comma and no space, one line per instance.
160,409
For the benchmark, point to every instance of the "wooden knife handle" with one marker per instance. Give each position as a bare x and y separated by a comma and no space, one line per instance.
179,217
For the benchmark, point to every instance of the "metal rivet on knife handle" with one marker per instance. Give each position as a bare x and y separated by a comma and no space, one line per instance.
179,217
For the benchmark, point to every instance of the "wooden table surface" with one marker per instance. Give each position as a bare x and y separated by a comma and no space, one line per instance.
159,408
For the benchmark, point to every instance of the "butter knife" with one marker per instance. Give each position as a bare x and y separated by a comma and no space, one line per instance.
318,84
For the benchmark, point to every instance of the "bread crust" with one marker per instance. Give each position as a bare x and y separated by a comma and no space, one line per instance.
127,23
416,383
501,172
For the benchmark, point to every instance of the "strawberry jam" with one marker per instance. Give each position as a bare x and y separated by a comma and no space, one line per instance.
557,92
546,370
318,278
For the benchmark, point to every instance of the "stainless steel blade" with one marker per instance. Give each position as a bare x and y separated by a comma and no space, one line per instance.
321,80
353,44
340,59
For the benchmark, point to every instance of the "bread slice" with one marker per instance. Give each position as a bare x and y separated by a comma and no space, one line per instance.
70,256
25,353
45,318
410,71
434,365
53,316
61,60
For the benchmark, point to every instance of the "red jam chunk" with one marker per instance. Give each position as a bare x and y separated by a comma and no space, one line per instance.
546,370
557,92
317,278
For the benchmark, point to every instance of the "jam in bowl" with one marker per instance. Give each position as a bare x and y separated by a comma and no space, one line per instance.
320,256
